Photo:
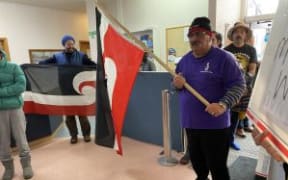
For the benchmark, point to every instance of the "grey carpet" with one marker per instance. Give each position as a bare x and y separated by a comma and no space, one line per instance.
243,168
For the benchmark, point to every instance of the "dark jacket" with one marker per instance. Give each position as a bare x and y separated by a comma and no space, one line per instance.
75,58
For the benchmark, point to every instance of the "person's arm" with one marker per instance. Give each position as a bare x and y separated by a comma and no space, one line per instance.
233,95
252,67
178,79
233,82
17,87
51,60
87,61
152,66
234,85
249,82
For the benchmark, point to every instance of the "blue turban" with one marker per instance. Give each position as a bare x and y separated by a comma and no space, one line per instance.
67,38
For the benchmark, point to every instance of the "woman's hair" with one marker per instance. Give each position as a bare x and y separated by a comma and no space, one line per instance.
2,53
218,37
145,57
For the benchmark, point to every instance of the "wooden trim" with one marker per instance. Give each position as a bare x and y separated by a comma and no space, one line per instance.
84,41
172,65
166,40
41,50
6,47
84,46
176,27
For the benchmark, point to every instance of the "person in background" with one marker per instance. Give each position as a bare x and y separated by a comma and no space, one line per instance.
171,55
71,55
12,118
247,58
260,138
216,39
215,74
147,64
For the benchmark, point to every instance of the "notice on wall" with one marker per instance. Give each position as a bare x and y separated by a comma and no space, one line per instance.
185,33
268,106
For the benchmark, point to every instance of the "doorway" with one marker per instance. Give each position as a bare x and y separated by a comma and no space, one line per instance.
85,47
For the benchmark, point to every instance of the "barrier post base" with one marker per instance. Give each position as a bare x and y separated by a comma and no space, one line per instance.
164,161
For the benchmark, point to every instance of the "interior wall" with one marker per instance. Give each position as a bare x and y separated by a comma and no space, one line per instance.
212,12
29,27
227,13
114,8
158,15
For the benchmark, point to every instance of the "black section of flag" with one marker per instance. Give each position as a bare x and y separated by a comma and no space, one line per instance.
104,123
52,79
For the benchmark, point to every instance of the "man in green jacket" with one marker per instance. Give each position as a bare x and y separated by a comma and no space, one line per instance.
12,118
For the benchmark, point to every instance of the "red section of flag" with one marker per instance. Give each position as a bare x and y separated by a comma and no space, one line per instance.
127,58
35,108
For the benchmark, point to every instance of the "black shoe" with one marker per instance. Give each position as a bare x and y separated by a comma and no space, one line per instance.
240,133
185,159
248,129
74,140
87,138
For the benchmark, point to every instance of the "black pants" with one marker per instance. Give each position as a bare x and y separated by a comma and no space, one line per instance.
72,126
234,125
208,151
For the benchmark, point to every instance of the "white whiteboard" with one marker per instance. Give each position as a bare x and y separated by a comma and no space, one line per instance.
268,106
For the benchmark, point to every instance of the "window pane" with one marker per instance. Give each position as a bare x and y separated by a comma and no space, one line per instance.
260,7
261,32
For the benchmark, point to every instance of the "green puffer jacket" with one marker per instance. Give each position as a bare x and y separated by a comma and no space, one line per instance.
12,84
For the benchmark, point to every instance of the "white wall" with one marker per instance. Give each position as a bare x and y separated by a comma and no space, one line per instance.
113,7
212,12
138,15
28,27
227,13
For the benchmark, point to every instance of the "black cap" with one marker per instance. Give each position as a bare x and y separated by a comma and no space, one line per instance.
201,22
